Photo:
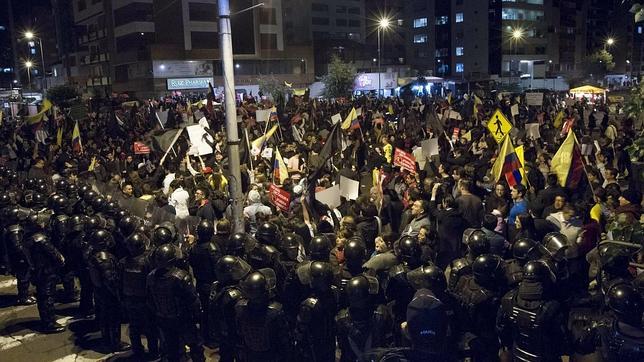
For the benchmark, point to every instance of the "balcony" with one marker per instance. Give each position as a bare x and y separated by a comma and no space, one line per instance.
91,36
94,58
98,81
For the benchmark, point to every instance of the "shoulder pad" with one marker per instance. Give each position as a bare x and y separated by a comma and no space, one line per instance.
270,249
397,270
275,307
181,274
307,308
234,294
342,316
459,264
103,256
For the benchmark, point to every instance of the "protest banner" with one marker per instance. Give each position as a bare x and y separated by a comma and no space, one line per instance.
330,197
140,148
404,160
534,99
279,197
349,189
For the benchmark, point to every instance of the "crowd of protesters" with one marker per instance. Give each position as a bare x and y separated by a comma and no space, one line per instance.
444,262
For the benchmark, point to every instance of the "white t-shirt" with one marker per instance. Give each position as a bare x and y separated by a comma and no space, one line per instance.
179,200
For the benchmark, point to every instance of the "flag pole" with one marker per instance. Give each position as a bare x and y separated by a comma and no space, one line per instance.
583,164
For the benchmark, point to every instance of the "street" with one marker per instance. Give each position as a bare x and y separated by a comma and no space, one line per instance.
21,341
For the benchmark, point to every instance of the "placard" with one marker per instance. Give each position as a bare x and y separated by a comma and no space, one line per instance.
263,115
279,197
430,147
349,188
330,197
514,109
534,99
198,135
532,130
404,160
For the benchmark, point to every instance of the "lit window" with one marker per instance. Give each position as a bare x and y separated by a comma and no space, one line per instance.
459,51
420,23
420,38
442,20
459,67
33,51
459,17
639,30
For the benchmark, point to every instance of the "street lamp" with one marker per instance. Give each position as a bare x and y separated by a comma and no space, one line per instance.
28,65
516,34
383,24
29,35
610,41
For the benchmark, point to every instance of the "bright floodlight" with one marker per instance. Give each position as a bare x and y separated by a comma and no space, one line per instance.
29,35
384,23
517,33
610,41
29,64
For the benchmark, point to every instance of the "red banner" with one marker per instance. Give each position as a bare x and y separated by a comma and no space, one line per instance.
280,198
405,160
140,148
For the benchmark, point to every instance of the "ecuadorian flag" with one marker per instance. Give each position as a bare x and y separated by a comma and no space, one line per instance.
280,171
77,145
508,164
567,163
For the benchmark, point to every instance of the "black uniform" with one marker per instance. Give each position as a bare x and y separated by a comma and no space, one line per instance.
104,272
261,323
175,304
47,262
134,270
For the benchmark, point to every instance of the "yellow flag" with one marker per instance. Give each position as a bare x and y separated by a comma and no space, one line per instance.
350,117
562,160
59,136
449,98
46,106
477,101
258,144
520,154
92,164
559,119
1,116
390,109
467,136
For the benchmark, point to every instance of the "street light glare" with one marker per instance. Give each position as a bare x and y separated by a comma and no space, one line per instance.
384,23
29,35
610,41
29,64
517,33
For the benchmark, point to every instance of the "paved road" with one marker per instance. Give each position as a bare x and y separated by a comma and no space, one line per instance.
20,339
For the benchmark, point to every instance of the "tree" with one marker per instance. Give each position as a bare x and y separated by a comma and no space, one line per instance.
273,87
338,82
634,107
61,95
638,12
600,63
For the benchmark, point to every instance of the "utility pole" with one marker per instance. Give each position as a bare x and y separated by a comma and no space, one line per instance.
232,137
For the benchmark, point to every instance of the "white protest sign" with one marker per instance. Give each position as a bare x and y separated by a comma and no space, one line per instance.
267,153
358,111
198,114
532,130
534,99
262,115
330,197
430,147
515,110
336,118
198,135
420,157
349,188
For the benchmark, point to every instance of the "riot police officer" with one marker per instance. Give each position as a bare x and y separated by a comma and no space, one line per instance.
265,253
104,272
225,294
477,244
523,250
203,258
261,323
618,338
175,305
315,328
478,297
47,262
134,270
364,324
18,261
531,321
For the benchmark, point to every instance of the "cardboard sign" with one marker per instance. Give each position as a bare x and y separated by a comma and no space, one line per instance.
534,99
330,197
430,147
515,110
263,115
198,135
349,188
420,158
532,130
336,118
499,126
279,197
404,160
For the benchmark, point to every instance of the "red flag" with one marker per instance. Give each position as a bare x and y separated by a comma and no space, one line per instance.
140,148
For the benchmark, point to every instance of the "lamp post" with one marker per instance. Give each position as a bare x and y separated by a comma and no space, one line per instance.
29,35
517,34
383,24
28,65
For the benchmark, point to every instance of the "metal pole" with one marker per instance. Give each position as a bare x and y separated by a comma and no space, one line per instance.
379,61
226,46
29,77
44,72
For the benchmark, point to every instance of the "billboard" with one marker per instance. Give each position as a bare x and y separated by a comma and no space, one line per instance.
188,83
369,81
